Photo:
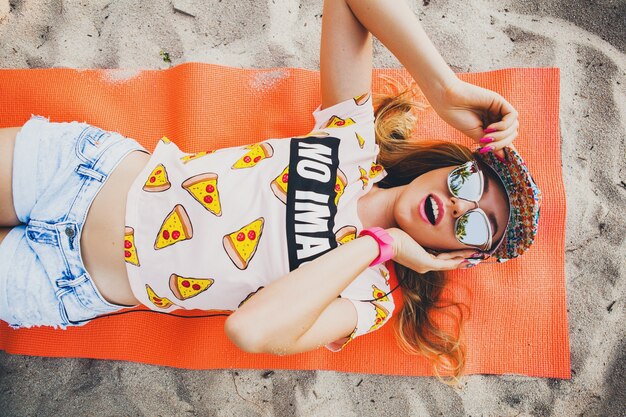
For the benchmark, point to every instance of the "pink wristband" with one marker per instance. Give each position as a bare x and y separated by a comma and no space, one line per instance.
385,243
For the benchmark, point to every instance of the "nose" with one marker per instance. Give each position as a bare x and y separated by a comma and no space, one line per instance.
459,207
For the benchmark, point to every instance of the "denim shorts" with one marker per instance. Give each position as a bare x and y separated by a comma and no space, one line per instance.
58,168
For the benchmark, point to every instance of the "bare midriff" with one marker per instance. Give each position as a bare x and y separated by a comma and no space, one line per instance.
102,239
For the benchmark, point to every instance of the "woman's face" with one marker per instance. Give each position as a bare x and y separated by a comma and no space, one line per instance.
441,236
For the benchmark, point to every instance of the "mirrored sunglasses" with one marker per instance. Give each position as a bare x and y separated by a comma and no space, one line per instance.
472,228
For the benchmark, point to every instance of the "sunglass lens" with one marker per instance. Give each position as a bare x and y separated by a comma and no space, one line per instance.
465,182
472,229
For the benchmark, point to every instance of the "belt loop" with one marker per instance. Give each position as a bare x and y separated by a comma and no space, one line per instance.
70,282
82,169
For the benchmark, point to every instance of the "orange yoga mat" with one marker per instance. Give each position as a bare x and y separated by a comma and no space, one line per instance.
518,320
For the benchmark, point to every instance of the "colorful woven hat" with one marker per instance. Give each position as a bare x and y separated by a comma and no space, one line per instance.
524,200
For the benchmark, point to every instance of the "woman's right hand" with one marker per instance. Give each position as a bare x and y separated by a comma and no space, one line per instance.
470,109
408,252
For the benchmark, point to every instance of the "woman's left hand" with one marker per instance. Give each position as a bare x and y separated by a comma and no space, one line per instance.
408,252
480,114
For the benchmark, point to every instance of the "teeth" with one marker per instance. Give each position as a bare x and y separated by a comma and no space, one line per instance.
435,208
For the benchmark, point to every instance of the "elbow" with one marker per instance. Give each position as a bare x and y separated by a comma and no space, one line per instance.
250,337
244,334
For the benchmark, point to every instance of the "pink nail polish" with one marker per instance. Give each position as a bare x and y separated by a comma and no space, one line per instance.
486,149
490,130
487,139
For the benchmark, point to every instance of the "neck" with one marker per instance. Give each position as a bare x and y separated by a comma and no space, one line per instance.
376,207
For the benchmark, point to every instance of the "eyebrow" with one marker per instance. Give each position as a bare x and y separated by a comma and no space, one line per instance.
491,216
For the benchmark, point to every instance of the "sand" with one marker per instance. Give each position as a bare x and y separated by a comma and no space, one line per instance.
586,40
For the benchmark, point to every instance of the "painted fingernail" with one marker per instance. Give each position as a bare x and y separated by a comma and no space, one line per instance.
486,149
477,255
490,130
487,139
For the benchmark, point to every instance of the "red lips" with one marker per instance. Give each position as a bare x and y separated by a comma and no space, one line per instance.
440,209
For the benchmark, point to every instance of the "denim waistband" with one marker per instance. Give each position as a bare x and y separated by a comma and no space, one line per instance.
98,162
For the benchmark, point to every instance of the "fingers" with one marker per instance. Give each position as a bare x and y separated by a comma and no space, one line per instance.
460,254
445,264
501,134
438,264
499,139
509,116
453,260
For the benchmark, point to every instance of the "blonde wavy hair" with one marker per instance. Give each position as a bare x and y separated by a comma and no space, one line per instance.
405,158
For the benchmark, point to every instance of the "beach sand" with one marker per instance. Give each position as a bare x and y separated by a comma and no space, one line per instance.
586,40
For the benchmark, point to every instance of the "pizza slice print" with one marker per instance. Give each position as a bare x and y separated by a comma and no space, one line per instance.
381,316
360,139
203,187
345,234
175,228
279,185
337,121
375,170
257,153
160,302
379,294
340,185
349,339
130,251
184,288
157,180
190,157
241,245
384,274
362,99
364,177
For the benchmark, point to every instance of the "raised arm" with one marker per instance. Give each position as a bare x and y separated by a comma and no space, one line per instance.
346,63
346,48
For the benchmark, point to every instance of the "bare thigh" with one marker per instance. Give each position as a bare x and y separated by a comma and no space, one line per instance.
8,217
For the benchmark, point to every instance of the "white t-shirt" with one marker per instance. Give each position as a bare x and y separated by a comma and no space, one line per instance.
208,230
